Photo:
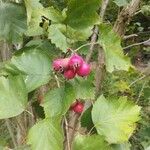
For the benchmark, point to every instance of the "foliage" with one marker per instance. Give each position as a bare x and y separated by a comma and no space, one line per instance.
12,29
46,134
41,31
115,119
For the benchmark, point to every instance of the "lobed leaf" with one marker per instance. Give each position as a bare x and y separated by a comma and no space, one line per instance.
46,135
115,118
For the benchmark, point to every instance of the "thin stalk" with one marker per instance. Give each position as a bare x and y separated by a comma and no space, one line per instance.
11,132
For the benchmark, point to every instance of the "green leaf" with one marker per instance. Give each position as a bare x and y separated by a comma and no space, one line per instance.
23,147
146,10
93,142
86,120
46,45
12,22
38,14
53,15
123,146
31,5
35,65
56,32
82,14
46,135
58,101
78,35
53,102
13,96
63,36
121,2
84,88
110,42
115,119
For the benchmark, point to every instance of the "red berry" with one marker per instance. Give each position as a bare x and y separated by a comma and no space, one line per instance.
78,108
73,104
75,61
60,64
69,74
84,70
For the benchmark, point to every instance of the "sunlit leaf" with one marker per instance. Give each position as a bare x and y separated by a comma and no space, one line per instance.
93,142
115,118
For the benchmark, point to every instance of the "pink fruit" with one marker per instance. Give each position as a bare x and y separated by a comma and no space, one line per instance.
75,61
69,74
60,64
78,108
74,104
84,70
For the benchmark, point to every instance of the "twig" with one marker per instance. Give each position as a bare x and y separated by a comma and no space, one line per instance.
67,137
137,80
73,122
136,44
84,46
124,17
99,75
103,8
58,83
96,30
29,113
11,132
140,93
129,36
93,40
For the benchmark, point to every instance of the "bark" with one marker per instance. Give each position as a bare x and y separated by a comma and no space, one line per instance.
5,51
99,76
125,16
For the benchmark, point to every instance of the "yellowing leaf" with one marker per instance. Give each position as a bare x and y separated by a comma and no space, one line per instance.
115,118
93,142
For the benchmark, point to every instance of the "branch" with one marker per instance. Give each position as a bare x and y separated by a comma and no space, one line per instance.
11,132
136,44
67,135
129,36
95,31
125,16
99,71
73,123
140,93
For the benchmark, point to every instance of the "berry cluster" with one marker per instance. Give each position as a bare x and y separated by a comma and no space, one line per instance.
77,107
72,66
